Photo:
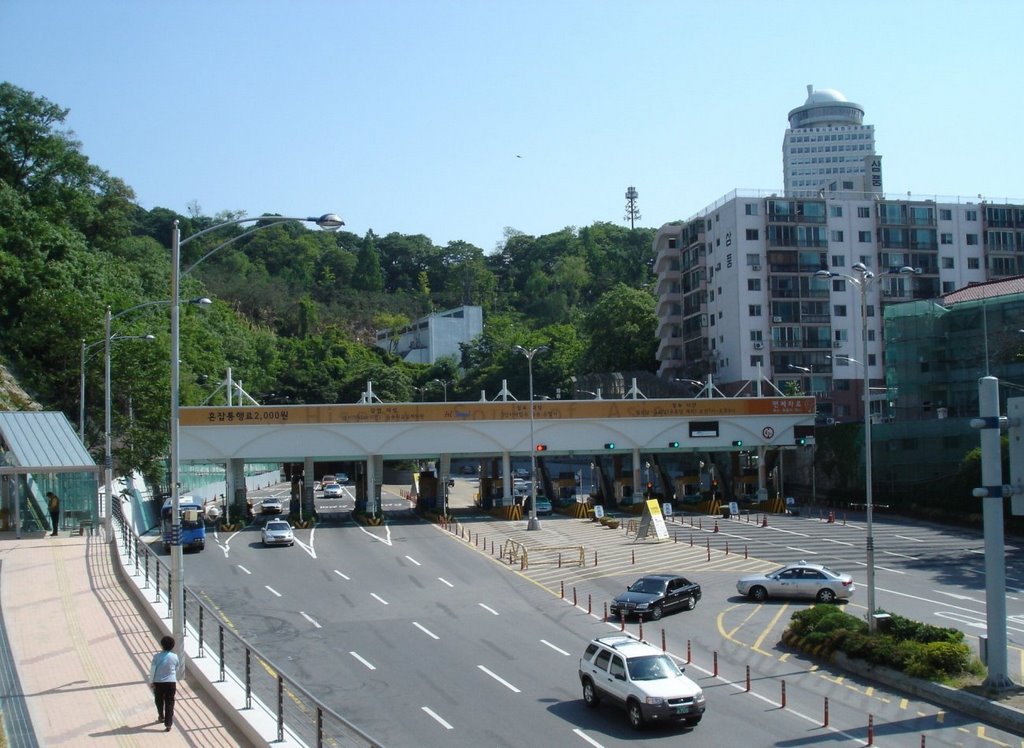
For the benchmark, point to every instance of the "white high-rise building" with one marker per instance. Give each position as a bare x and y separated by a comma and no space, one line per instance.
740,298
828,148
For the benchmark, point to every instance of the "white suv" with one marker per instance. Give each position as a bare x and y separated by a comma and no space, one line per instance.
641,678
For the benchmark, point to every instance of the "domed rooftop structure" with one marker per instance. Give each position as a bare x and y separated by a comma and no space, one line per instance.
826,108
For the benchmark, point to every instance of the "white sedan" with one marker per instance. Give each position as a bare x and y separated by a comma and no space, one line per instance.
798,580
278,532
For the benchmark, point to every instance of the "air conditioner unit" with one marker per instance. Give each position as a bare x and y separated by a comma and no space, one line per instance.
776,319
758,346
837,344
756,268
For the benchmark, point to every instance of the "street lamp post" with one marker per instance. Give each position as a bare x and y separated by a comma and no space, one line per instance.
863,283
533,523
444,384
326,221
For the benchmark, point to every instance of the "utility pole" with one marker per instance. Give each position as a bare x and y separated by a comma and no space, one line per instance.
632,211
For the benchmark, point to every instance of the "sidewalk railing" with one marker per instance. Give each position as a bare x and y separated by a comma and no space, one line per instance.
262,685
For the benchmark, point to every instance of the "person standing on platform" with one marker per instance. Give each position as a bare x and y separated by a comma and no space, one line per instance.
53,504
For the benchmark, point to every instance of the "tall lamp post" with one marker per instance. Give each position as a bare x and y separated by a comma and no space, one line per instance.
444,384
81,375
533,523
327,221
863,283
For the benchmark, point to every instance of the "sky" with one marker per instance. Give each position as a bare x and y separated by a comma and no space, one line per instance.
460,119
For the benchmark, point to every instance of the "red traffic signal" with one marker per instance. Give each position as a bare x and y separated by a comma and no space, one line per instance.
541,448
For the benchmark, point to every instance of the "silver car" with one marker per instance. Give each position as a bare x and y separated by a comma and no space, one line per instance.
278,532
798,580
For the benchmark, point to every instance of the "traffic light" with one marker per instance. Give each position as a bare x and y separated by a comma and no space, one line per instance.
609,445
801,441
541,447
673,445
737,442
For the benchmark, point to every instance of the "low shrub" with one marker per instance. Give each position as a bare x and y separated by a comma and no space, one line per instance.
919,649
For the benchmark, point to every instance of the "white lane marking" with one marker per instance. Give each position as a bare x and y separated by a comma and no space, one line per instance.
272,590
310,619
387,532
307,548
414,560
557,649
958,597
341,575
907,537
244,569
362,660
586,737
788,532
378,598
433,714
488,608
902,555
837,542
426,631
500,680
445,581
801,550
877,567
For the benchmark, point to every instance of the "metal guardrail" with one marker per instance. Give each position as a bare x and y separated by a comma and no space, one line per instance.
296,711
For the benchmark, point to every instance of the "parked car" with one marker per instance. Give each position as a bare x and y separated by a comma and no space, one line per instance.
654,595
798,580
333,491
271,505
278,532
641,678
342,478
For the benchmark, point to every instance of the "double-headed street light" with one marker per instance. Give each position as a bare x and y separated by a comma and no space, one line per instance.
533,523
327,221
865,280
444,384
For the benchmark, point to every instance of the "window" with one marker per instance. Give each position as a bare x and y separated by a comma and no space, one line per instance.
973,263
838,261
972,240
948,286
864,236
836,211
752,235
837,236
750,209
946,238
871,359
617,668
945,214
756,336
870,308
970,215
753,284
753,259
864,212
839,310
756,361
838,284
754,310
947,263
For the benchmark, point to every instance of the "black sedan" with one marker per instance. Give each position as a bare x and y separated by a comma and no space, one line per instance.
654,595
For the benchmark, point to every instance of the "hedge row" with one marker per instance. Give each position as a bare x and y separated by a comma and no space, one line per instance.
917,649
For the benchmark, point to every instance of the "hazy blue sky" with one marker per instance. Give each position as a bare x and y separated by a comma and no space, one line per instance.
458,119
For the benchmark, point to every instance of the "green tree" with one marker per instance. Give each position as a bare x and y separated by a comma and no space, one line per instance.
621,331
368,275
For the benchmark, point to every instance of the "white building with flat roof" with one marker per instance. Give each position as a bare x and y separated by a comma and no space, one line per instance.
435,336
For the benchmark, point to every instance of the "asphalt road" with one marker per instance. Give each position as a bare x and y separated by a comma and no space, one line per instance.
421,636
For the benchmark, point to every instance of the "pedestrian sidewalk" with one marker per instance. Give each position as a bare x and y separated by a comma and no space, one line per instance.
81,650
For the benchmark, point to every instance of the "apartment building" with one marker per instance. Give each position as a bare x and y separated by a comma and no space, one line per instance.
741,292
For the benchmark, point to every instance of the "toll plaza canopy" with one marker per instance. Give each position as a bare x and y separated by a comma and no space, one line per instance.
425,430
